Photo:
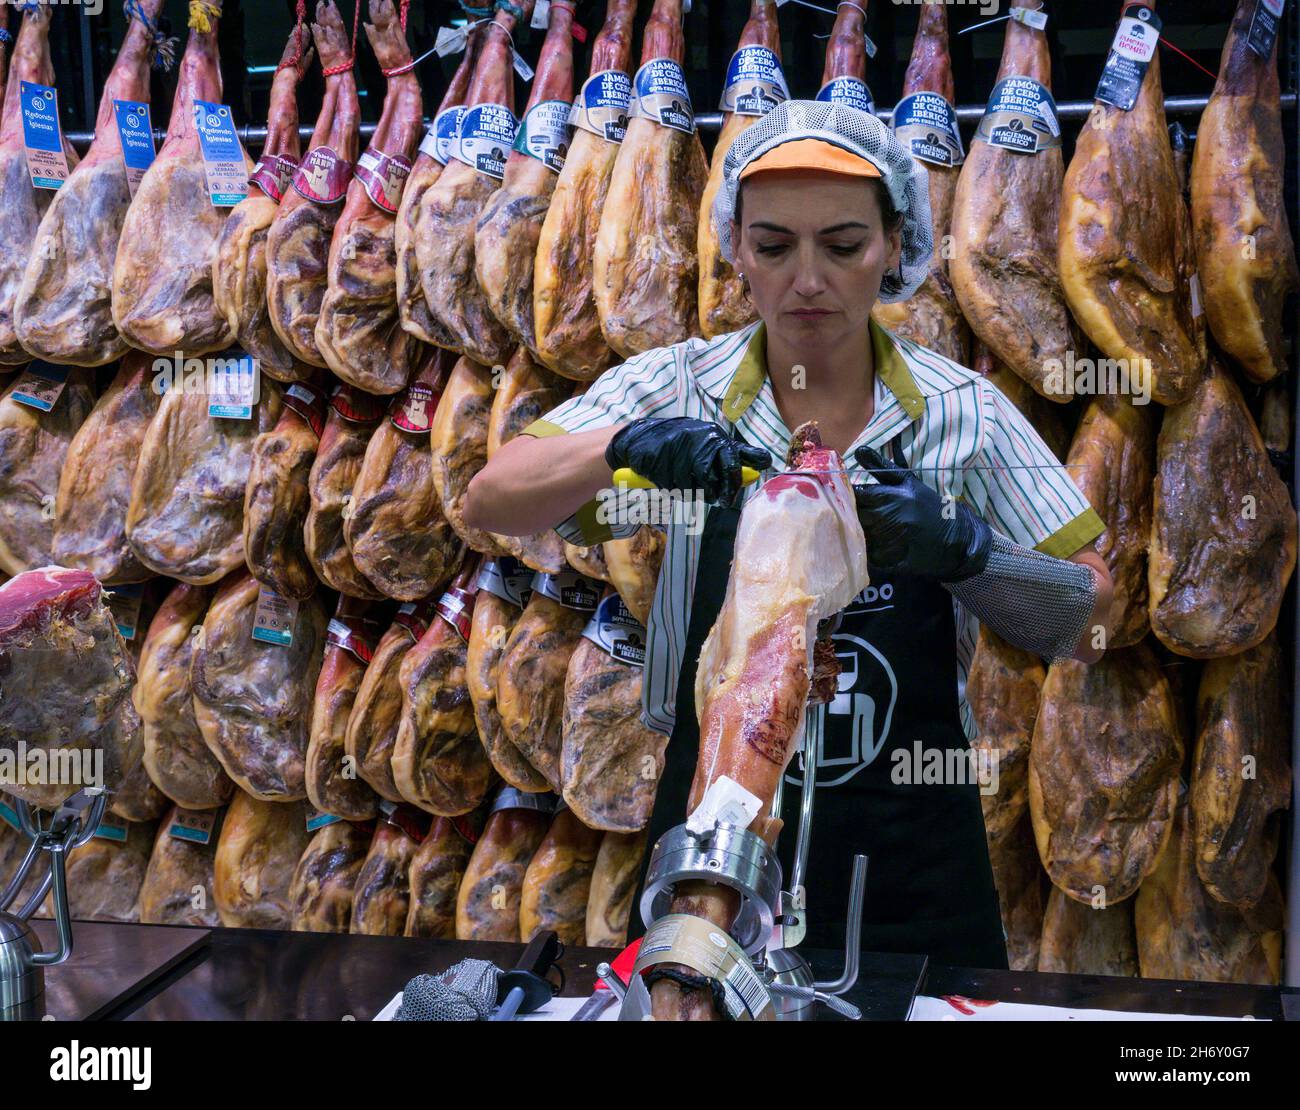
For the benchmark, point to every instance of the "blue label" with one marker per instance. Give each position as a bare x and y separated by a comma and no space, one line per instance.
615,629
233,386
223,157
544,133
604,105
111,828
124,603
487,133
317,820
45,158
9,814
755,82
136,132
184,832
39,384
848,90
926,125
662,96
440,141
1021,116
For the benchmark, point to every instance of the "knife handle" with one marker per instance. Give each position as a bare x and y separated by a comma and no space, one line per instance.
628,478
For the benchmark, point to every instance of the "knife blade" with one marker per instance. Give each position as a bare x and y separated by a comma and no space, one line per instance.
596,1005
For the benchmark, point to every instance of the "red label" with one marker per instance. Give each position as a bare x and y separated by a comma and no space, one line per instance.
461,825
414,822
413,410
456,607
323,176
273,173
356,405
309,403
354,634
414,616
383,176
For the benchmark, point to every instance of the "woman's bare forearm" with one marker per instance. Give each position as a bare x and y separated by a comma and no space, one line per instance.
533,483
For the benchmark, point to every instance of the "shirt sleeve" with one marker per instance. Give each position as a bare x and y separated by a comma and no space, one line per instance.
645,385
1029,494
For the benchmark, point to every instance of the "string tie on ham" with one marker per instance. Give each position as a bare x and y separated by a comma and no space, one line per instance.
343,67
203,16
512,9
299,36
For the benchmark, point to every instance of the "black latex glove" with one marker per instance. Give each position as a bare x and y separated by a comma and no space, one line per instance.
907,531
683,454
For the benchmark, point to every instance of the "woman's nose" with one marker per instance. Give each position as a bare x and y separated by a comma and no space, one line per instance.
808,281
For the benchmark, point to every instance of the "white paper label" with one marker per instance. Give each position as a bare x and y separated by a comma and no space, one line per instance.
273,621
725,802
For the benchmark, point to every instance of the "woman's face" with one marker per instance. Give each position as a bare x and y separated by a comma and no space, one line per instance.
814,249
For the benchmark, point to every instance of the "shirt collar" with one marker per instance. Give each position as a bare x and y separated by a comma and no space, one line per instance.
738,380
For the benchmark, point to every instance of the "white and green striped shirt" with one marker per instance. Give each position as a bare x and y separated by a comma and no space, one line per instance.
960,434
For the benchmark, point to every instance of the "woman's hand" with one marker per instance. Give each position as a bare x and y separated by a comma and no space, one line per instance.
680,453
910,530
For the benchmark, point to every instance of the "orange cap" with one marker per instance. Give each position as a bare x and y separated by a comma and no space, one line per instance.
811,154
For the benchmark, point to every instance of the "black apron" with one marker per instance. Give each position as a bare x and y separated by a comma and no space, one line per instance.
930,887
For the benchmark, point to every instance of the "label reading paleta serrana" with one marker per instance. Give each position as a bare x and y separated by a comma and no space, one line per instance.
1021,116
604,105
487,132
661,95
926,125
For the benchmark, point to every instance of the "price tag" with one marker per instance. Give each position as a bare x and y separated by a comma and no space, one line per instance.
506,578
1263,26
124,603
755,82
487,133
46,162
1030,17
1021,116
926,125
848,90
450,40
111,827
661,95
544,134
135,131
570,589
274,619
195,825
323,176
613,628
1130,55
383,176
604,105
439,141
234,385
39,385
223,157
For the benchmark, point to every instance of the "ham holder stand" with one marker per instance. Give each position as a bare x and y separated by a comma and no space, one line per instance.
22,964
760,972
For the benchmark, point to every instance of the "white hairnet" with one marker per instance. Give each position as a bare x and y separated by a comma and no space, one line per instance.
862,134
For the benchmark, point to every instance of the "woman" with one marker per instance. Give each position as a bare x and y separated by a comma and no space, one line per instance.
967,516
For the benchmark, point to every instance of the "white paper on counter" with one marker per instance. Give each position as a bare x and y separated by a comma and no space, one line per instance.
925,1008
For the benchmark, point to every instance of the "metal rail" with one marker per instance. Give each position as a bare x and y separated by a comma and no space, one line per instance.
712,121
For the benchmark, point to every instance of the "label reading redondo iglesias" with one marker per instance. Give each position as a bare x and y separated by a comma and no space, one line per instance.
662,96
604,105
195,825
1021,116
39,385
135,130
46,162
487,133
223,157
544,134
926,125
755,82
233,389
1130,55
848,90
273,620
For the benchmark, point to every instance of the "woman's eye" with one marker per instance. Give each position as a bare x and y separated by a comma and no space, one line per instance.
771,249
845,250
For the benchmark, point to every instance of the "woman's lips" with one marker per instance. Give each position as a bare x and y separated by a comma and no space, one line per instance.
809,313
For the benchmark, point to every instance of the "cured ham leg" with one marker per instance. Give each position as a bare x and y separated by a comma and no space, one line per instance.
800,557
568,336
646,267
162,276
358,332
723,304
4,55
505,238
64,310
1126,259
435,150
459,317
298,240
931,315
1004,229
239,270
22,204
1243,245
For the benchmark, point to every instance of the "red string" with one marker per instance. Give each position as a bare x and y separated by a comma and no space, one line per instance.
408,66
1165,42
406,5
299,34
343,67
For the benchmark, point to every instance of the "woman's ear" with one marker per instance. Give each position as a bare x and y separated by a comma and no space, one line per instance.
735,243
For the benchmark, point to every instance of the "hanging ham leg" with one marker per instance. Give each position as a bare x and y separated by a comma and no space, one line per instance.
459,317
1125,253
505,238
4,53
428,167
64,310
800,557
23,205
931,315
568,335
1004,229
646,268
162,276
239,270
359,333
298,241
1243,245
723,304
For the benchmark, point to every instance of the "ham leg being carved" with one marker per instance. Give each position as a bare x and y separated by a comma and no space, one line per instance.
800,557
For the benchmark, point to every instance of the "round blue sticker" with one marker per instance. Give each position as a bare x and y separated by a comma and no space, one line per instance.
487,133
755,82
848,90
